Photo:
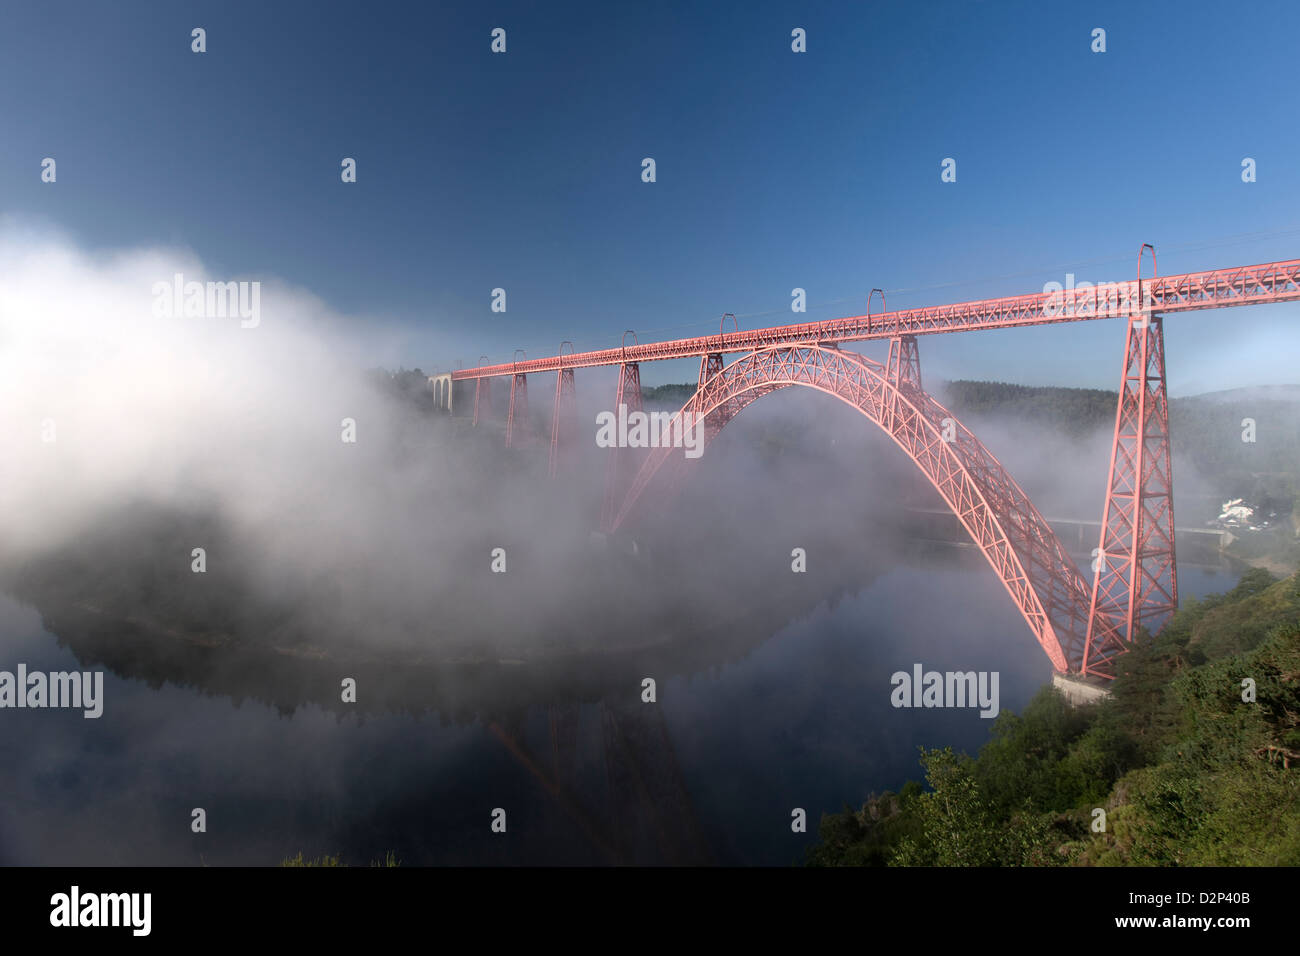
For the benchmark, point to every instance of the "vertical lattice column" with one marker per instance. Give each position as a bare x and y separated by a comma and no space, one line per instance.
561,414
628,394
1135,580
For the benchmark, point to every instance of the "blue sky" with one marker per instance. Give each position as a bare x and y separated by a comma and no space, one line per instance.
774,169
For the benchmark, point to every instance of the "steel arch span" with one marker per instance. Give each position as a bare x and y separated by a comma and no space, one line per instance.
1016,540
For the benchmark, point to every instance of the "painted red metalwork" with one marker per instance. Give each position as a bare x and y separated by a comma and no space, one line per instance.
562,413
903,366
1220,288
1135,585
883,308
1135,577
518,402
627,399
1015,539
483,391
711,364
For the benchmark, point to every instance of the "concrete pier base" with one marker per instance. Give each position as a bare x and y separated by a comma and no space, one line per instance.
1079,692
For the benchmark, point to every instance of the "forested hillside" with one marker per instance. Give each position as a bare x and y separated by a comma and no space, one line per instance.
1194,761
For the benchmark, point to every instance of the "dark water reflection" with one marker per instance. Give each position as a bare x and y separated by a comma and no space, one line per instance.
710,773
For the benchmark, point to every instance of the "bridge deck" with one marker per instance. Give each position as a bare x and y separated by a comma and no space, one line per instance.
1220,288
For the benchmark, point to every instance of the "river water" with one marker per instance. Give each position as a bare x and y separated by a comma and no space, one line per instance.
709,773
